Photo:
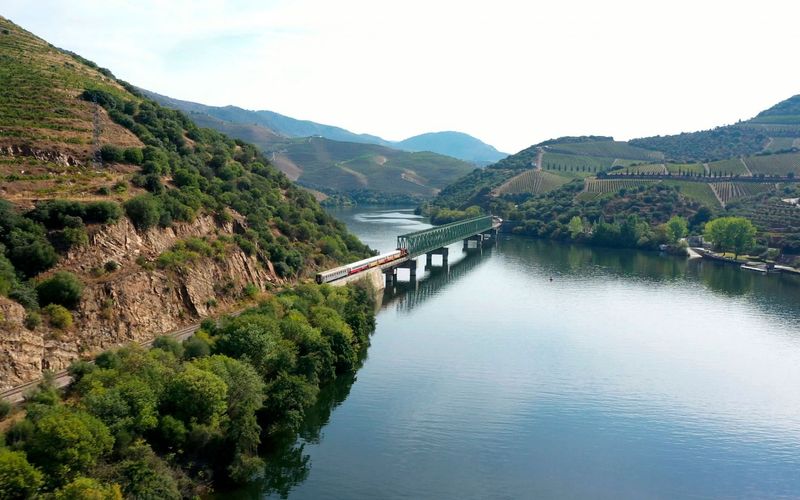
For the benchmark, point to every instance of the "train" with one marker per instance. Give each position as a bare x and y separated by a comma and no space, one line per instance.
359,266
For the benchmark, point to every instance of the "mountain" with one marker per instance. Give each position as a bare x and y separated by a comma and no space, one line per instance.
276,122
455,144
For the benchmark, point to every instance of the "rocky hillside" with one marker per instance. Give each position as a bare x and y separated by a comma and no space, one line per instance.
121,220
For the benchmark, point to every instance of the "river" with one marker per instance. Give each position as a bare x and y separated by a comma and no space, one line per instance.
628,375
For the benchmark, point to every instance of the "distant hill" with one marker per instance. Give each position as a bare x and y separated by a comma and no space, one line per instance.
367,169
275,122
456,144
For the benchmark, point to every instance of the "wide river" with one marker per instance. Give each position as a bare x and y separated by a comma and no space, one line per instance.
628,375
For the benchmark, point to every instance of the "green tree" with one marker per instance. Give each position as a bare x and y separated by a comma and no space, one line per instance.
63,288
575,227
84,488
677,227
735,234
66,442
196,395
18,478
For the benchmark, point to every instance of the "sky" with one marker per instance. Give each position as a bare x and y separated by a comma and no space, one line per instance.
512,73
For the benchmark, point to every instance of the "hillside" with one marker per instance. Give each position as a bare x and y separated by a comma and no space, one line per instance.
364,171
454,144
144,220
746,168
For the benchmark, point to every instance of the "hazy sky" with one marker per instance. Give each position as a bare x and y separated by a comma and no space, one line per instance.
512,73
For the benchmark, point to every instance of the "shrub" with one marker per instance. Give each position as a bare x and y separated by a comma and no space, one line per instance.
133,155
169,344
111,153
58,316
63,288
195,347
144,211
120,187
111,266
32,320
5,408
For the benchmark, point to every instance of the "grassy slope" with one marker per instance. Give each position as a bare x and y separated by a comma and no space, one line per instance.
40,110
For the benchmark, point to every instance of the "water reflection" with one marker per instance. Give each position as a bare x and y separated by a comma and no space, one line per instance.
408,295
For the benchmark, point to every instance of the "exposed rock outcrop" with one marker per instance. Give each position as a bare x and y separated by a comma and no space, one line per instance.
131,304
57,157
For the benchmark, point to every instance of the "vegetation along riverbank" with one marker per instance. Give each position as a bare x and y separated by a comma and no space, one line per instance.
184,418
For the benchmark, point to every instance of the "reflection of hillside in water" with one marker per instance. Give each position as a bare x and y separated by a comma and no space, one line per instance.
408,295
774,292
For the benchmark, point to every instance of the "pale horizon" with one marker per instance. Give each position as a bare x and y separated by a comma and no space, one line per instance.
511,75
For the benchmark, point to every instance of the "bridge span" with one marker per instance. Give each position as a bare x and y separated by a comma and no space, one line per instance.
432,241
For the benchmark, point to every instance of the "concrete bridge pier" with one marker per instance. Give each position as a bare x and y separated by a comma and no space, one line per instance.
391,277
475,241
444,252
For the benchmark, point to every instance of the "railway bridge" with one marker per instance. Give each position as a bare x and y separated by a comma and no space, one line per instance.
433,241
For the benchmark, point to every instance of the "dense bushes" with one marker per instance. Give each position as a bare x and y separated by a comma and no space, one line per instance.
63,288
146,420
632,218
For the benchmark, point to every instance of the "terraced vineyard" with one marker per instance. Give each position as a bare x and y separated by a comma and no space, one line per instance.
531,181
574,165
781,164
686,168
730,191
601,186
728,167
622,162
781,143
608,149
698,191
778,221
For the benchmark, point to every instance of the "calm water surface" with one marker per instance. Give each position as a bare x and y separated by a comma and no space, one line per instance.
629,375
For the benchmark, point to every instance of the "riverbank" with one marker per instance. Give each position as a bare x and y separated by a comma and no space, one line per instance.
190,416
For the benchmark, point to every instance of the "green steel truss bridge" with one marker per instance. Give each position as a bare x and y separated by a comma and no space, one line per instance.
432,241
428,240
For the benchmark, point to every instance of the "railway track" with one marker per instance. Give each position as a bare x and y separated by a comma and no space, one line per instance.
61,379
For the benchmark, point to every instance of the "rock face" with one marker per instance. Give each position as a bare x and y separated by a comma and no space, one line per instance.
40,154
131,304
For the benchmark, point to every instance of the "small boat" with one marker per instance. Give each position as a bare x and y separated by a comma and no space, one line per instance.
754,268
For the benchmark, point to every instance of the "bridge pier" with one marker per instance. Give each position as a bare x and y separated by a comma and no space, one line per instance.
444,252
475,241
